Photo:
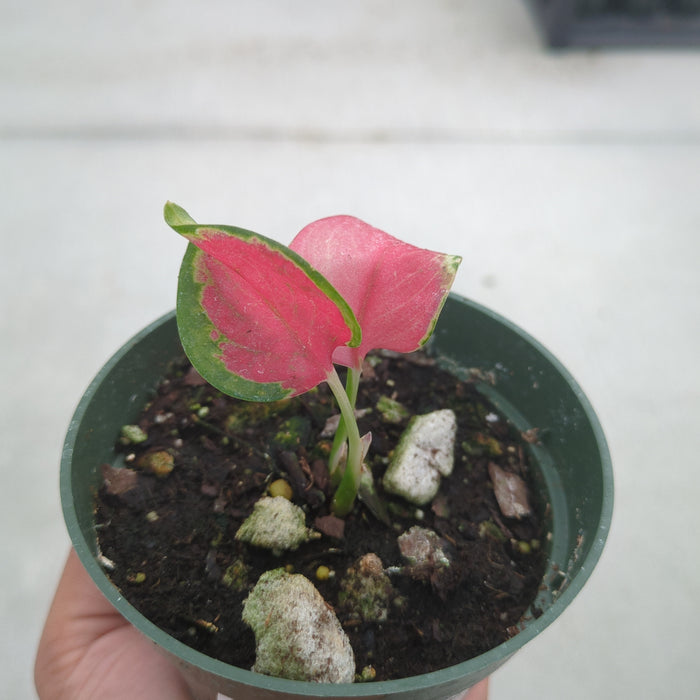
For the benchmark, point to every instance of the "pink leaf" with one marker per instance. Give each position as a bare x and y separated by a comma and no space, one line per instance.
255,319
395,289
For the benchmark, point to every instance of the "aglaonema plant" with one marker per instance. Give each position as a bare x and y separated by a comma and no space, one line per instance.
261,321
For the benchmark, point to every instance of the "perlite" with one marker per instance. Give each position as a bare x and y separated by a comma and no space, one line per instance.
276,524
297,635
425,453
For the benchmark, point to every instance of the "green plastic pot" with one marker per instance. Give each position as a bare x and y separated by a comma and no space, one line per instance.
526,382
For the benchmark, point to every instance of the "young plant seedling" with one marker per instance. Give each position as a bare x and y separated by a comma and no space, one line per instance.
262,321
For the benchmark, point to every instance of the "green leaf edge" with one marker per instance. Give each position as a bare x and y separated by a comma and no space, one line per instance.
195,327
450,266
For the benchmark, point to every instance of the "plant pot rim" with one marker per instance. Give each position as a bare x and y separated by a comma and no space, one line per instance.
482,664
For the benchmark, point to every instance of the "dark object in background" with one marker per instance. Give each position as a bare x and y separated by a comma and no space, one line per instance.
618,23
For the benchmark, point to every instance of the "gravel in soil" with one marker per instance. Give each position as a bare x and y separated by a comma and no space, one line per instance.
201,460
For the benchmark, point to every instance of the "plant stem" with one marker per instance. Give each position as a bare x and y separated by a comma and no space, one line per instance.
352,384
346,492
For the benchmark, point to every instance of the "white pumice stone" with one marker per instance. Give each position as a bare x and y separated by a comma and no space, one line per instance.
425,453
297,635
275,524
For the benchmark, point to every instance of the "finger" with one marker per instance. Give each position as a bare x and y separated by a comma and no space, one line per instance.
478,692
79,610
65,636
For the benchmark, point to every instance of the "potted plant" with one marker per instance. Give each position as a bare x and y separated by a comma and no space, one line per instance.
519,378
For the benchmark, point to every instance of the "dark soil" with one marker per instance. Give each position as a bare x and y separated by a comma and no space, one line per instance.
170,539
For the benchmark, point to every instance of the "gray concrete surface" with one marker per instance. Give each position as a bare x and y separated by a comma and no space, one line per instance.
569,183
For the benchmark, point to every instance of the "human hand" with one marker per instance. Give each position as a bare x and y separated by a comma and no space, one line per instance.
478,692
88,650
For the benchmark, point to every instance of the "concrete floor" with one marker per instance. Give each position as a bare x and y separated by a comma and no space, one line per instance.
569,183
